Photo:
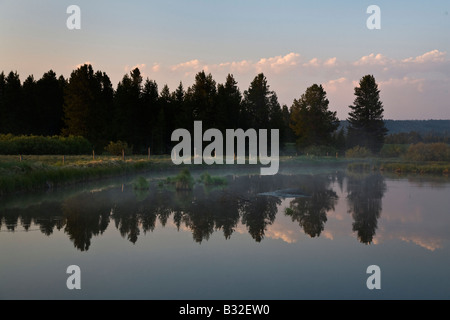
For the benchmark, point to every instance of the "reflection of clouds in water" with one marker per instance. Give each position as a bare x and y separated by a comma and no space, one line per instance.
416,214
430,244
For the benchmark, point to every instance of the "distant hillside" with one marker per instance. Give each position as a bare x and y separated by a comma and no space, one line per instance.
439,127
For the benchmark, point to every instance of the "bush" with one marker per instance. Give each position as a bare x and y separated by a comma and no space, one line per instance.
428,152
394,150
184,180
141,184
39,145
208,180
115,148
358,152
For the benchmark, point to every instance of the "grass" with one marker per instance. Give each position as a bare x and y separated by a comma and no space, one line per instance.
401,167
46,172
209,180
40,172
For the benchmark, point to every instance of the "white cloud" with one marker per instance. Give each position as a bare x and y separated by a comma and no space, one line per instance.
191,65
330,62
373,59
277,63
431,56
314,62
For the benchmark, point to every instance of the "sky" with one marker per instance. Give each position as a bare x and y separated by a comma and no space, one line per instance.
294,43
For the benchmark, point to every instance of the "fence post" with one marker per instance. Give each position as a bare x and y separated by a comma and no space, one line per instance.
93,155
123,155
20,158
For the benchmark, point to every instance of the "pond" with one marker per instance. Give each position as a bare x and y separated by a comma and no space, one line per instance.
299,235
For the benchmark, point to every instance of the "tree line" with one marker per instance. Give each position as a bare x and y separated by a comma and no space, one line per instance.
143,115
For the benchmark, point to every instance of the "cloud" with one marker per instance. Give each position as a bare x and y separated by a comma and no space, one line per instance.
187,66
330,62
314,62
431,56
141,67
416,84
156,67
373,59
278,63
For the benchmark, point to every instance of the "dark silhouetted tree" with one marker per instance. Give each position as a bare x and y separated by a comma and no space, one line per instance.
257,104
12,115
366,126
229,104
87,104
129,114
49,104
202,96
311,120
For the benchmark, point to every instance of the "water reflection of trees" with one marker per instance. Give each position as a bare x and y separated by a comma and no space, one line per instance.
311,211
204,211
365,194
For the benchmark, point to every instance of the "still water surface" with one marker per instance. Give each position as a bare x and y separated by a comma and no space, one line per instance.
297,235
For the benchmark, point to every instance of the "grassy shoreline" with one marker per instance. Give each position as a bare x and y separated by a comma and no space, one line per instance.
33,173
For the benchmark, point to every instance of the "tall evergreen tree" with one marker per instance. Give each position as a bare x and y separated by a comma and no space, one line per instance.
182,115
30,114
12,105
202,98
366,126
256,103
49,104
87,104
163,121
229,104
2,103
150,104
130,119
311,120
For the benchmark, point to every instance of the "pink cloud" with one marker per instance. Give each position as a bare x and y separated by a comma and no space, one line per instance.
431,56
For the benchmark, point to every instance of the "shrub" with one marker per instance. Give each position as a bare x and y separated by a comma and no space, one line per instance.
358,152
141,184
428,152
394,150
39,145
184,180
208,180
115,148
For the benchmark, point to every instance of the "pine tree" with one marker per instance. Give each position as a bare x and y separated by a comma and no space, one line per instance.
87,104
366,126
256,103
229,104
311,121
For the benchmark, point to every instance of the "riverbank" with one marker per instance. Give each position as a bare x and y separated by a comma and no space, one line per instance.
32,173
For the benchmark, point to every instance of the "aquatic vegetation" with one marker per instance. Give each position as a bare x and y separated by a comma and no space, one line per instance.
141,184
209,180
